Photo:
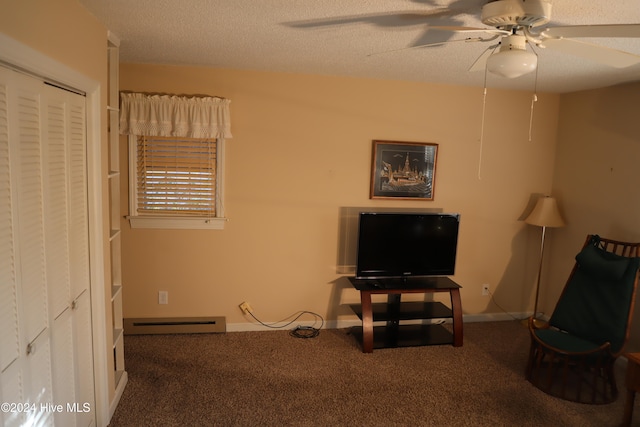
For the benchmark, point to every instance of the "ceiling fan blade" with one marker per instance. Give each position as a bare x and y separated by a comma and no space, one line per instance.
407,48
615,30
604,55
443,33
470,30
468,40
385,19
481,63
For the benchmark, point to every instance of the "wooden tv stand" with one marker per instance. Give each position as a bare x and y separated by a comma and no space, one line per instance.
394,334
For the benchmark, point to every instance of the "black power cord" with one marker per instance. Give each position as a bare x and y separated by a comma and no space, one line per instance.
304,332
299,331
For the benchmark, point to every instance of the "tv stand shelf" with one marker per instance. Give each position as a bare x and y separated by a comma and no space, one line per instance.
407,311
396,334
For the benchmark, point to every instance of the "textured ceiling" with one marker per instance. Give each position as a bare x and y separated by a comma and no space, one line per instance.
338,37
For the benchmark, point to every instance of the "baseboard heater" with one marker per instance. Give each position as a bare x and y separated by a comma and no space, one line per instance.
175,325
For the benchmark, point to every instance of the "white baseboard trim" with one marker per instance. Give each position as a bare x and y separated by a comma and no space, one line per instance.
340,324
494,317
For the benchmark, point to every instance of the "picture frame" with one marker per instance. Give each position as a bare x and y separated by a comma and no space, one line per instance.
403,170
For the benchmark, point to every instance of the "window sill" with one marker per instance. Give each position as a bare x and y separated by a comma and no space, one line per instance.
173,223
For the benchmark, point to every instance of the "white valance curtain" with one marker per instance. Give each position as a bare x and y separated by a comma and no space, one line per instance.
173,115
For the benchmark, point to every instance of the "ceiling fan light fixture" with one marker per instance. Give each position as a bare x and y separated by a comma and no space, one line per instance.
513,59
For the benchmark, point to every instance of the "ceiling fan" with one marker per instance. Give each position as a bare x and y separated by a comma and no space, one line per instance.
518,26
516,23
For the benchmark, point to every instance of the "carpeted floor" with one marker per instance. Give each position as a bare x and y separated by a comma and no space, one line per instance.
272,379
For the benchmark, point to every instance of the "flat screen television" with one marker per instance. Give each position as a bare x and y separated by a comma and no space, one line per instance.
406,244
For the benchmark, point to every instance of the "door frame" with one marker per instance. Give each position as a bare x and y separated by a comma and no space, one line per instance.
18,55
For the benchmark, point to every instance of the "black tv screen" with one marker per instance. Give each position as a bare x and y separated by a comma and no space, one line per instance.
406,244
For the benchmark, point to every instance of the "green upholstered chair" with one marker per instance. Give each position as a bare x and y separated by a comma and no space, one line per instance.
572,356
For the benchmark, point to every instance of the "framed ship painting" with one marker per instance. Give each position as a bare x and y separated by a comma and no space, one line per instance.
403,170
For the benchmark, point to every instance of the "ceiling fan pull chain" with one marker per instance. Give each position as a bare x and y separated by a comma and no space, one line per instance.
484,108
534,99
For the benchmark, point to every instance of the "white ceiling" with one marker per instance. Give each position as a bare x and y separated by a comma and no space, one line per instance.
262,35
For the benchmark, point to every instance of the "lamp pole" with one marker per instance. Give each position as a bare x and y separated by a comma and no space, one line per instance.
544,214
535,307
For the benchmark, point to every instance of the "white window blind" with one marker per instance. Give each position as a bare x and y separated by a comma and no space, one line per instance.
176,176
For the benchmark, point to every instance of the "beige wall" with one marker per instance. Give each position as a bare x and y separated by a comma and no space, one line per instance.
596,177
61,29
301,151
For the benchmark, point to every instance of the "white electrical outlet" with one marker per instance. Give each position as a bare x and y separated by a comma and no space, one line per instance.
163,297
485,290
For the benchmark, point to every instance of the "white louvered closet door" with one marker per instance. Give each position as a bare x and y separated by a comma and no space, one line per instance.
56,212
44,181
10,373
30,372
67,249
79,256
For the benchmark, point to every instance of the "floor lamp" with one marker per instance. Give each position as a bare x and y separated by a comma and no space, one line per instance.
544,214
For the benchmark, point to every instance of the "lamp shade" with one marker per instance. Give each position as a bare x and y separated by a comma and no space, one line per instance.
545,213
513,59
512,63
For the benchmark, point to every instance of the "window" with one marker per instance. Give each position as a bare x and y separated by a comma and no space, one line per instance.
174,182
175,178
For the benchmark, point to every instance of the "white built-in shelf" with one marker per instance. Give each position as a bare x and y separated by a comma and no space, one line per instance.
113,234
118,375
116,290
117,336
115,217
